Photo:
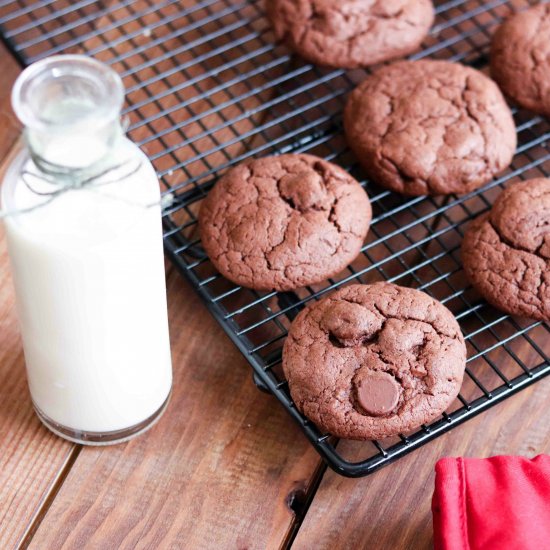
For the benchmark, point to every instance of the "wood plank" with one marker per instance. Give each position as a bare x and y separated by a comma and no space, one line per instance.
390,510
33,460
216,472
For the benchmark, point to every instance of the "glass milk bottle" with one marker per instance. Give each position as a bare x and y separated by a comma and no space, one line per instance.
83,224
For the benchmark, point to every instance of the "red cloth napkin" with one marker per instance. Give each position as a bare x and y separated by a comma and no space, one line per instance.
498,503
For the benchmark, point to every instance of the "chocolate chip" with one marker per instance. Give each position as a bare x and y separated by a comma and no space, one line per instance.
305,191
349,323
378,393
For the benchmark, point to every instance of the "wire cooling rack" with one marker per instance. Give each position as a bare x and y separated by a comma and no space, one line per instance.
207,87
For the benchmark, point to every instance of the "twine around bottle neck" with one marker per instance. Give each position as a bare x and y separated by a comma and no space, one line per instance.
77,176
50,180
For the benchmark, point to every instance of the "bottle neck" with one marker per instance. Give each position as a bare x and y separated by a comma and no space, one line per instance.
73,152
70,107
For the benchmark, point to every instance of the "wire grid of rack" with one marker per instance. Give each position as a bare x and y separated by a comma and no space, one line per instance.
207,87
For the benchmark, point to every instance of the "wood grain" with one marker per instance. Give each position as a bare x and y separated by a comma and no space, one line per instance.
32,459
390,510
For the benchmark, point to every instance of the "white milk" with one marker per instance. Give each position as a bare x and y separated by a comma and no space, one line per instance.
88,270
89,278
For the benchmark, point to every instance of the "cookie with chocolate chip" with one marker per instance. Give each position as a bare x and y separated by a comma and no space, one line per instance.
506,252
351,33
283,222
373,361
430,128
520,58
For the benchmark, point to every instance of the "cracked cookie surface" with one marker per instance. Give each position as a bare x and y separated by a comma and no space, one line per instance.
506,252
520,58
283,222
430,128
372,361
351,33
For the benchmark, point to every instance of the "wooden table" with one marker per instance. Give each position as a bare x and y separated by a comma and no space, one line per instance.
225,467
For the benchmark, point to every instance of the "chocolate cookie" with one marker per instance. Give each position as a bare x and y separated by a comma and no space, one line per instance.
430,127
351,33
520,58
372,361
279,223
506,252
